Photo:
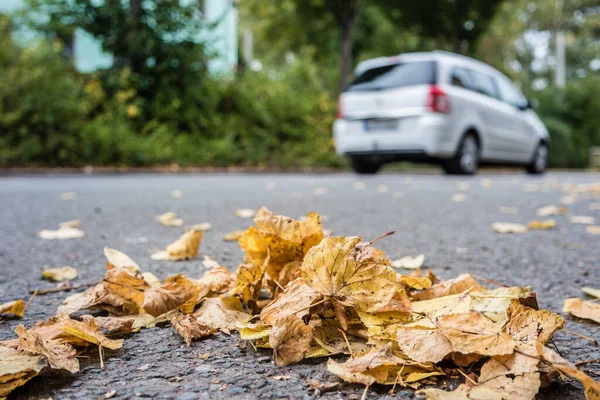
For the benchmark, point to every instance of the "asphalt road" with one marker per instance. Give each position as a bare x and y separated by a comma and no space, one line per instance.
117,211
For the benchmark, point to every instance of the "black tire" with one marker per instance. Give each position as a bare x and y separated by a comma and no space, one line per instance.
466,159
539,160
365,167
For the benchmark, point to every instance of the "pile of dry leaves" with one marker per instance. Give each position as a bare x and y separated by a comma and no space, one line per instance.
304,295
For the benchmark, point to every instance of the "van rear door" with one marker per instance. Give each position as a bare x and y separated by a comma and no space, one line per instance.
393,90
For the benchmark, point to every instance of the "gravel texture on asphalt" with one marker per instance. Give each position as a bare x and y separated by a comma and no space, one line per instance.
118,211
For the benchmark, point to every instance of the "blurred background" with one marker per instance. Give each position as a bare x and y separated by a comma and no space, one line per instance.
255,82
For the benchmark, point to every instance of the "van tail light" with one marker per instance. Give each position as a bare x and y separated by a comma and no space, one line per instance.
340,113
438,101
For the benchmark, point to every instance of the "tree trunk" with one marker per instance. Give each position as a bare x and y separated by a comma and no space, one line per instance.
346,60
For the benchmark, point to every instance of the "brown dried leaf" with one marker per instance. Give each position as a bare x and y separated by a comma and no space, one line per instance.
295,300
382,366
13,309
189,328
333,269
457,285
472,333
17,368
59,355
423,345
214,282
175,292
222,314
582,309
531,326
111,325
591,387
290,340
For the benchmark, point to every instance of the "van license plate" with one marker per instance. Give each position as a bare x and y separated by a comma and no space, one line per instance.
372,125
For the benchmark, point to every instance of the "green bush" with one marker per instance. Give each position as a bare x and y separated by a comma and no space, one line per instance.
573,119
52,115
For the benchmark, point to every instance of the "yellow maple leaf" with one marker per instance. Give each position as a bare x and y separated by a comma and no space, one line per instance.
334,268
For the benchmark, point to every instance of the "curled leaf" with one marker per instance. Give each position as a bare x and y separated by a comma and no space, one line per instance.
13,309
582,309
169,219
60,274
184,248
175,292
189,328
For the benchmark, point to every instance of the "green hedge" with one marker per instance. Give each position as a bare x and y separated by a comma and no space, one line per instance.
572,116
52,115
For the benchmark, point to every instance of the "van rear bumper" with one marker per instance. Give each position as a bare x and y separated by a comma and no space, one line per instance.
414,155
425,137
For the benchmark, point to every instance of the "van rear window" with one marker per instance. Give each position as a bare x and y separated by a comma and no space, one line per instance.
395,76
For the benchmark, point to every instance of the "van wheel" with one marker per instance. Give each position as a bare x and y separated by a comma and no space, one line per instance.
362,166
539,161
466,159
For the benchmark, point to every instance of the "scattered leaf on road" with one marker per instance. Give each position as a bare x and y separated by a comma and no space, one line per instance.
582,309
233,236
538,225
184,248
245,213
509,210
409,262
176,193
551,210
68,196
63,232
60,274
16,368
591,291
13,309
582,219
460,198
508,227
169,219
593,229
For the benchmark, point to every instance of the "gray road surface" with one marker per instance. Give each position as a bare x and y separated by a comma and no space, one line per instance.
117,211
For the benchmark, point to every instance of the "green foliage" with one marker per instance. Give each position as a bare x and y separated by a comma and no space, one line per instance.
52,115
42,103
572,118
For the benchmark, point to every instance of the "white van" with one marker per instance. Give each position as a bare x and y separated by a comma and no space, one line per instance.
437,107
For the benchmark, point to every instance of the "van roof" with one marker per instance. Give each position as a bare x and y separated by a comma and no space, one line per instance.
436,55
